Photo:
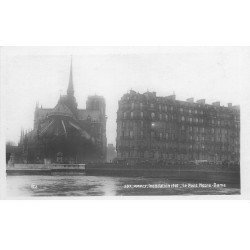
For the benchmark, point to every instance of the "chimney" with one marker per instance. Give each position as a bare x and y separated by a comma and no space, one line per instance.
217,104
191,100
201,101
230,105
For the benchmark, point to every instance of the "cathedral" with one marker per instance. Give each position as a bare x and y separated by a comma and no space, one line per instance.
65,133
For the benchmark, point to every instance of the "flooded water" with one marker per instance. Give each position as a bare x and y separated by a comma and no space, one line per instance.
80,185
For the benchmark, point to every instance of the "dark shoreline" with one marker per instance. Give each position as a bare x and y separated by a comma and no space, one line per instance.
196,175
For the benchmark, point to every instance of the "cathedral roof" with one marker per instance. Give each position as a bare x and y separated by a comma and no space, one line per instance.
61,109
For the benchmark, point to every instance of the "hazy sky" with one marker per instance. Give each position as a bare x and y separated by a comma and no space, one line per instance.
33,75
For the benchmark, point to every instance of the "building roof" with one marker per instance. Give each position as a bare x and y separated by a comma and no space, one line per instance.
61,109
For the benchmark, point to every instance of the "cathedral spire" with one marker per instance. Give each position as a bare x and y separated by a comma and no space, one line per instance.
70,90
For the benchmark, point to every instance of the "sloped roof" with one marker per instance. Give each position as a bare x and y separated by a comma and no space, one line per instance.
61,109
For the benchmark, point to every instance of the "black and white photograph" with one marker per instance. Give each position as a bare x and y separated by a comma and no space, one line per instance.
124,124
122,121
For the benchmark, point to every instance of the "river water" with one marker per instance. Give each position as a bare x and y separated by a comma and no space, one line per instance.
81,185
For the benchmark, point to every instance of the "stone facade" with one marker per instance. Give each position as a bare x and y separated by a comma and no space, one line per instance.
156,128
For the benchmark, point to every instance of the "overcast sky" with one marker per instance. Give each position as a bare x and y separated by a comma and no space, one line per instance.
33,75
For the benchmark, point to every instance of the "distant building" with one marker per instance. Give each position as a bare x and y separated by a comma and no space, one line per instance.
164,129
12,152
65,133
111,152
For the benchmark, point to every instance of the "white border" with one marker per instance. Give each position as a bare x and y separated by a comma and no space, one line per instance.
127,224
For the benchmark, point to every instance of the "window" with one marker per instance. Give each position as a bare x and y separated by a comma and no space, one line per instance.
141,105
195,111
183,118
124,115
151,105
141,133
132,105
152,115
160,107
131,133
160,116
160,135
141,114
132,114
126,133
189,111
166,116
166,135
190,119
181,109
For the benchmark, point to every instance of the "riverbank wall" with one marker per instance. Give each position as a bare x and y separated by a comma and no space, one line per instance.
45,169
176,173
222,176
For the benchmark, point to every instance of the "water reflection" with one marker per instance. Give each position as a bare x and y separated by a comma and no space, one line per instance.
26,186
